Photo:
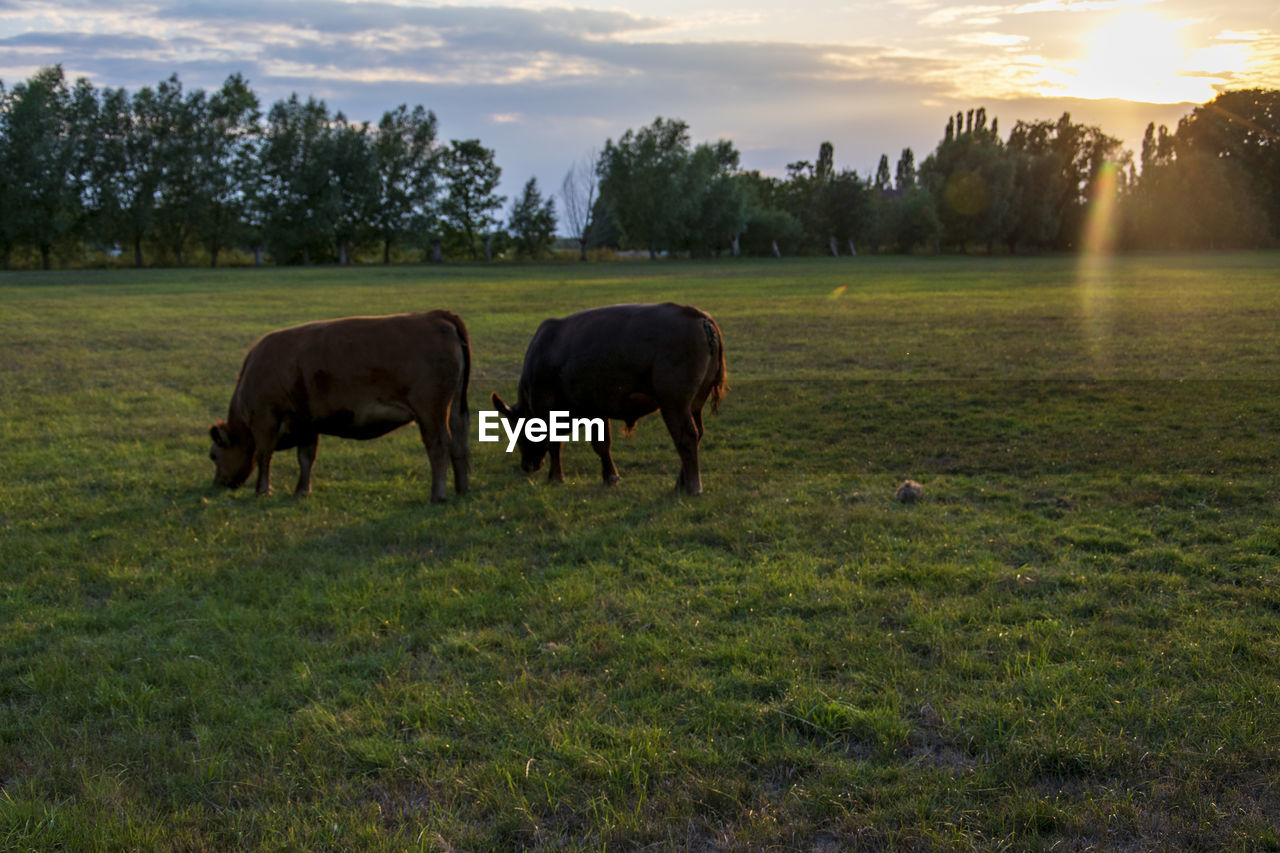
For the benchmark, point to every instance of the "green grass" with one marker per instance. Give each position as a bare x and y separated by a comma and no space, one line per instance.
1070,643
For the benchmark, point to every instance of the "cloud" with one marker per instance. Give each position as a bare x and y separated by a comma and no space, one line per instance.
1079,5
543,85
992,39
81,43
951,14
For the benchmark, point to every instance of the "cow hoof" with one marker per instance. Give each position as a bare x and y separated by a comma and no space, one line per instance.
611,479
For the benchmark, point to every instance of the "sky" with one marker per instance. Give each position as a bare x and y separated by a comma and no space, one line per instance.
544,84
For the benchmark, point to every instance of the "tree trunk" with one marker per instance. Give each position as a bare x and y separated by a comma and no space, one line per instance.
213,258
776,252
342,253
852,251
257,256
831,241
437,252
488,247
653,254
44,256
386,252
582,248
137,252
737,247
306,257
8,254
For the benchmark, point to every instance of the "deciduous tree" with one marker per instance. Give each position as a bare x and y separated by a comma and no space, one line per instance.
532,224
579,192
642,180
471,178
44,204
407,162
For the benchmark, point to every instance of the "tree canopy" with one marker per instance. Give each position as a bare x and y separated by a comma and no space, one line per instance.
164,174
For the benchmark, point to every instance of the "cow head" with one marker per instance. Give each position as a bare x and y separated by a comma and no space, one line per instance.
232,455
531,452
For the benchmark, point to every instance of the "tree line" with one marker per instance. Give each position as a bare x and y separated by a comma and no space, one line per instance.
1213,182
164,173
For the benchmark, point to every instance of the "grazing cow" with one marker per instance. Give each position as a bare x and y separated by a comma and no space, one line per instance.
357,377
623,362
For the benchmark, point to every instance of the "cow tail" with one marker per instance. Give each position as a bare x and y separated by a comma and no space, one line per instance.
721,384
465,338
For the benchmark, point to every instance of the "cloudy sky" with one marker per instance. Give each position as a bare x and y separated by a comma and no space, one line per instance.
544,83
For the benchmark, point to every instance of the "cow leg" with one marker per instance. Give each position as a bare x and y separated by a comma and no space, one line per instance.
263,460
264,442
306,458
460,448
697,421
437,445
556,474
607,469
684,432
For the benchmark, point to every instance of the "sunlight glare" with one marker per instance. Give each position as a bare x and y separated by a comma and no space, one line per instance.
1097,248
1138,56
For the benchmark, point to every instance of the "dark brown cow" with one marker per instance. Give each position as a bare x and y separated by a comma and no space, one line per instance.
357,377
623,362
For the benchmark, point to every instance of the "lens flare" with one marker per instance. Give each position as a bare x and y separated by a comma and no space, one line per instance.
1097,250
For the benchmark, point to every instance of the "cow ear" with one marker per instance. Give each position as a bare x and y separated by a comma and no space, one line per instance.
500,406
218,432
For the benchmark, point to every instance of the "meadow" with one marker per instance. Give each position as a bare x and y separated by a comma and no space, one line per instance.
1070,643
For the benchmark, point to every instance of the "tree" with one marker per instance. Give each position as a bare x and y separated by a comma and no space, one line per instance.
8,184
351,192
407,161
533,223
603,231
296,177
43,204
1207,185
471,176
905,215
1240,128
715,208
970,178
127,169
770,228
846,209
579,191
227,148
642,180
904,178
883,180
178,126
82,122
1056,164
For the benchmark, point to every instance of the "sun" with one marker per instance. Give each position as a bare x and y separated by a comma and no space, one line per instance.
1138,56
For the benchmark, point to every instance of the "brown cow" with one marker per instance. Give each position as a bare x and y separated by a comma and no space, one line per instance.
357,377
623,362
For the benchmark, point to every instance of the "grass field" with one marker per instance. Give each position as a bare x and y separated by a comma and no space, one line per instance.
1071,643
